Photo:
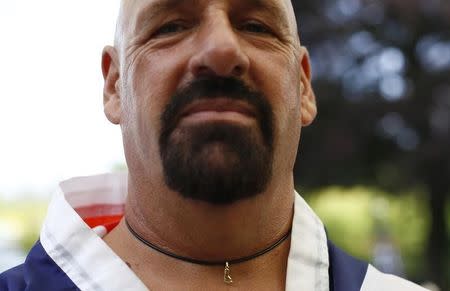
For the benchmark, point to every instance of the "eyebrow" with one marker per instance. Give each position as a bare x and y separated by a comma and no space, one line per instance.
159,7
271,8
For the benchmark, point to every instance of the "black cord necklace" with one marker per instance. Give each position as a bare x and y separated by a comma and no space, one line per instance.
227,272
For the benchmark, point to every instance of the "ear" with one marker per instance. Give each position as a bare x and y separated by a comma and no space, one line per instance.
111,92
308,99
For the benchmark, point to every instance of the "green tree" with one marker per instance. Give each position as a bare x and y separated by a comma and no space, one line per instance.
382,79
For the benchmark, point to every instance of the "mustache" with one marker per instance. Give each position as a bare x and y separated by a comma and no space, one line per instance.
211,87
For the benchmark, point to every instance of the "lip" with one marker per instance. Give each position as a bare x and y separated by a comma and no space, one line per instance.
219,105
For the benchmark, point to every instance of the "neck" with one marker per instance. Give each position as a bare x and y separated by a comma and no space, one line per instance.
208,232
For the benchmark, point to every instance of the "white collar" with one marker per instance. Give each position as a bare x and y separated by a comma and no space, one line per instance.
87,260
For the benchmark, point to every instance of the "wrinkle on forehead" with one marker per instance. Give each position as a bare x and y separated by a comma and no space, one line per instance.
129,9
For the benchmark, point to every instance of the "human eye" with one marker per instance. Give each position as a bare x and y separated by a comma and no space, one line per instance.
170,28
255,27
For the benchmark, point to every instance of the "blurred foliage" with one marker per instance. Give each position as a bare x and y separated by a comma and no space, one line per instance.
381,74
21,221
355,216
119,167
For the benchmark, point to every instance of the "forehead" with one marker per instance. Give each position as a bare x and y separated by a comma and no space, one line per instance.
137,4
137,10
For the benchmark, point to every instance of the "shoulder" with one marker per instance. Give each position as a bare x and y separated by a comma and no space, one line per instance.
13,279
376,280
39,272
347,273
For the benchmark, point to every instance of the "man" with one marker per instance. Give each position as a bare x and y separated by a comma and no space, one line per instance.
211,96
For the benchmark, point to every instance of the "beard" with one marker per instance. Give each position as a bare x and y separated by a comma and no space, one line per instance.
217,162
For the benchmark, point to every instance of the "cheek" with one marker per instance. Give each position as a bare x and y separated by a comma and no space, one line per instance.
279,78
152,79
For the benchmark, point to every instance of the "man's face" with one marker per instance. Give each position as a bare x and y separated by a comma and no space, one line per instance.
209,94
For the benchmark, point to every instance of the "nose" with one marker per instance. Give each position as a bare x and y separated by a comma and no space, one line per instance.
219,52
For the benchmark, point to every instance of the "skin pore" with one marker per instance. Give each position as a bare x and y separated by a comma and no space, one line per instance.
160,47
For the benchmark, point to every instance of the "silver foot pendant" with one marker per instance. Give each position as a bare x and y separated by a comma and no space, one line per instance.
227,274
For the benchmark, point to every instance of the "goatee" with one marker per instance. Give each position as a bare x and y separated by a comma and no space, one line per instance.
217,162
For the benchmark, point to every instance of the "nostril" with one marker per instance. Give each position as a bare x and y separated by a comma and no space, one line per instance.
204,71
238,71
220,60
